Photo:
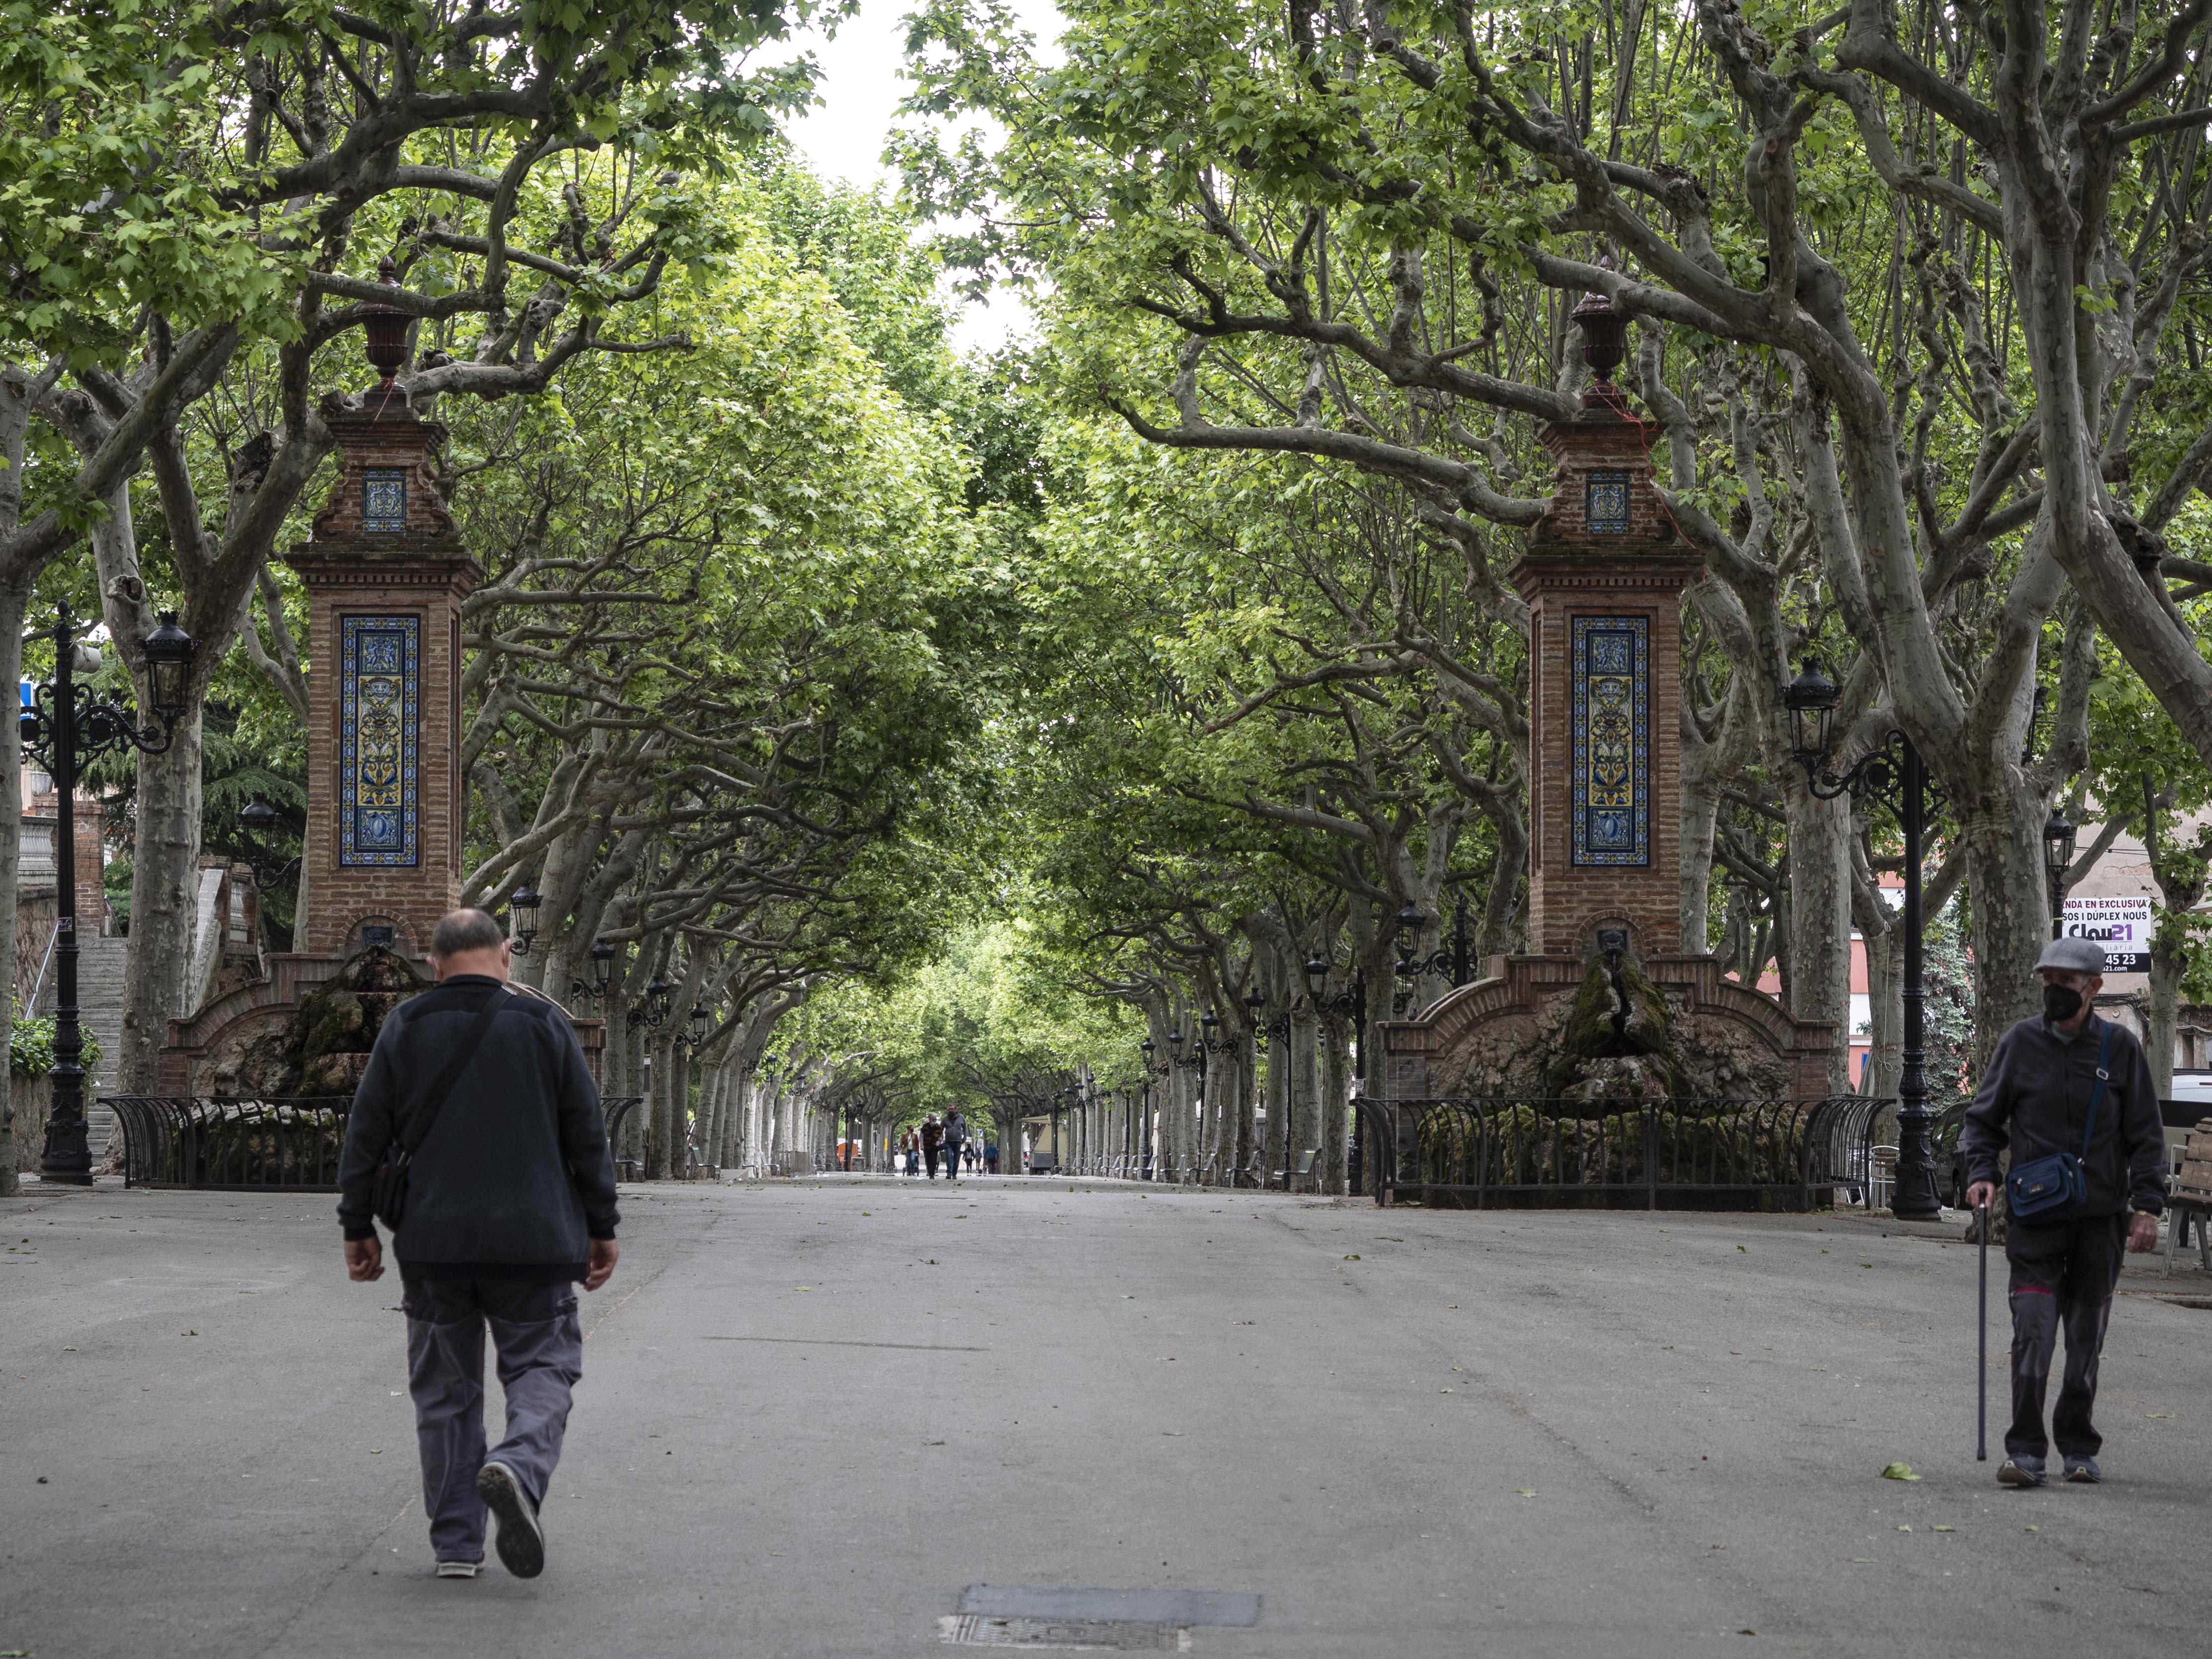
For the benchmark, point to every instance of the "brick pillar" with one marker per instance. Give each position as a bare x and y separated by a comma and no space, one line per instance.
386,573
1603,574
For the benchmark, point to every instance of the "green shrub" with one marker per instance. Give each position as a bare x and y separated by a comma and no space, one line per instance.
31,1047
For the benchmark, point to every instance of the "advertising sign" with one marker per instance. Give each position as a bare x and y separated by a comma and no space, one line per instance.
2122,925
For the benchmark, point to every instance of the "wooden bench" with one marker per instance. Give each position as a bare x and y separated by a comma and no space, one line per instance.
2191,1200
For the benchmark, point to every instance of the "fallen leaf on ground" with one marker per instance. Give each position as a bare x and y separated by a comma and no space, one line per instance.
1524,1491
1899,1472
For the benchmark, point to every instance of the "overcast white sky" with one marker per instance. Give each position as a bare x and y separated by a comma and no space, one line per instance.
861,91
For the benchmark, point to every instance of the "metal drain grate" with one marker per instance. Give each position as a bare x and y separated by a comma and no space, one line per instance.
1114,1620
981,1630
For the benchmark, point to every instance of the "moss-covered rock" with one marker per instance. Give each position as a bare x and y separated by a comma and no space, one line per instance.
327,1044
1619,1041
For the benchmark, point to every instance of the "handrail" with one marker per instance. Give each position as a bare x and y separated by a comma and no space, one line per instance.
30,1003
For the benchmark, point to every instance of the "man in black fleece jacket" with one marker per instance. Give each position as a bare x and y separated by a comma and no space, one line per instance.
510,1201
2035,1099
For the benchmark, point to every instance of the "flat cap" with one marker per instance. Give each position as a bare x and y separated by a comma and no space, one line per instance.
2075,956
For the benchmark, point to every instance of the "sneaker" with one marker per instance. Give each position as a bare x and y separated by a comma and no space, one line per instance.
2084,1471
521,1541
2019,1471
459,1569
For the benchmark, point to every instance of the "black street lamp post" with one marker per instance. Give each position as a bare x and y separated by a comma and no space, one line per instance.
1349,1003
601,957
652,1011
1454,965
523,906
64,726
2057,857
259,820
1811,699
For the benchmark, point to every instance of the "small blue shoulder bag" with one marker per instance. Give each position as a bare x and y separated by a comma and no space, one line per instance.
2052,1185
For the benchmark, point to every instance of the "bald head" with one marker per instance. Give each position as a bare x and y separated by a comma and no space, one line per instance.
469,942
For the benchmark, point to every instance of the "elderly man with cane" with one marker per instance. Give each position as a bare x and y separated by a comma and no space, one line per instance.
2071,1096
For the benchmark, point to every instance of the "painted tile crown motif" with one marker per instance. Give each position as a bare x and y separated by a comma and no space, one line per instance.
384,500
1610,693
1604,504
378,741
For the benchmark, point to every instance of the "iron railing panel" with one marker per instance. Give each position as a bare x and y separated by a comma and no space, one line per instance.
247,1143
1779,1151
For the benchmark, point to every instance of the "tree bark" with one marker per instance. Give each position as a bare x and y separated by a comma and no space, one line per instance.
1820,920
1329,1167
1304,1126
12,608
164,904
2182,876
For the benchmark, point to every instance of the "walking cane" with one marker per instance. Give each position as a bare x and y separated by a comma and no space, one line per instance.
1982,1407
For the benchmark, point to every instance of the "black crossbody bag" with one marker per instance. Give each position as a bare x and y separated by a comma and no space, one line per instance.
388,1190
2054,1185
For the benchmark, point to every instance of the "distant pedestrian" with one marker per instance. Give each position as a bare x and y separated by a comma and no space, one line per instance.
932,1142
2048,1075
956,1142
990,1158
508,1200
913,1144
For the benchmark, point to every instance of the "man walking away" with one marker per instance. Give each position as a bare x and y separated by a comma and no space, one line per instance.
956,1142
990,1158
2037,1098
509,1200
932,1139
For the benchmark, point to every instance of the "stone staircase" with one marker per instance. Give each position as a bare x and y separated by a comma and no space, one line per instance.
99,1010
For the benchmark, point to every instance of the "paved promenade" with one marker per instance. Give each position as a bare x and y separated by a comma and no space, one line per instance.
813,1416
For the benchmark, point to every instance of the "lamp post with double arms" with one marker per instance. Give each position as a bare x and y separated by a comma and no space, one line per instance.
1452,965
64,726
1902,782
259,820
1348,1004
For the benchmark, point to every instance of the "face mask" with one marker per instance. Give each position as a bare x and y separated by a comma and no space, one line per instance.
2061,1002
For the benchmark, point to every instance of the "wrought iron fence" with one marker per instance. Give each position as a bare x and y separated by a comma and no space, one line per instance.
247,1143
231,1143
1780,1154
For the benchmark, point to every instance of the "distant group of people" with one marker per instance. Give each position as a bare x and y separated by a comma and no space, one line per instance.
944,1142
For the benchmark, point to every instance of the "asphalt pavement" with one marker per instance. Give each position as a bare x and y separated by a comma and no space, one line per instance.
815,1417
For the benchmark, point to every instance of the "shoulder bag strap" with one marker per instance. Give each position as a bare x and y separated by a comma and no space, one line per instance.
433,1098
2097,1095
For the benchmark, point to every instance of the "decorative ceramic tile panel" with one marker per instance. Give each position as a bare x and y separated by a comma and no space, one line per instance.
1604,504
1610,700
379,740
384,499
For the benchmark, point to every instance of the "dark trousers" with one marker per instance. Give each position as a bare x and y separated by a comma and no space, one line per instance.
929,1156
2062,1275
952,1160
541,1355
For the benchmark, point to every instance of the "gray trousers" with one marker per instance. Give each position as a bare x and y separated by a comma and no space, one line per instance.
2063,1275
540,1345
